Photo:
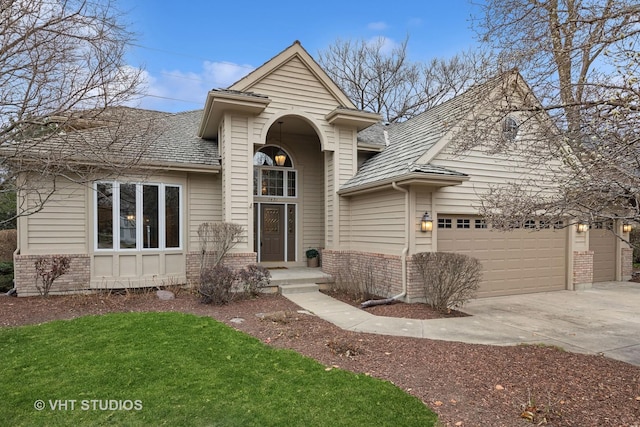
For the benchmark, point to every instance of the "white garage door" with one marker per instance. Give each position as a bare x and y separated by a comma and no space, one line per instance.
603,244
513,262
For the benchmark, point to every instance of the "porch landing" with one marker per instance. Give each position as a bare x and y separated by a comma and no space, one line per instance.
298,279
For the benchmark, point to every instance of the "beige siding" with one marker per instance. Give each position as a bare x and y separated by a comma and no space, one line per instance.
377,222
485,170
330,196
347,168
204,204
236,172
421,242
293,85
310,166
61,227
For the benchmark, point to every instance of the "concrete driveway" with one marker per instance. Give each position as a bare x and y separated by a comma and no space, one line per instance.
602,320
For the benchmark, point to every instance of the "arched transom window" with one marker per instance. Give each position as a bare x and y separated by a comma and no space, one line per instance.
269,179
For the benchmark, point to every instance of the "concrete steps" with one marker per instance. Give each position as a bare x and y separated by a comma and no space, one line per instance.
298,288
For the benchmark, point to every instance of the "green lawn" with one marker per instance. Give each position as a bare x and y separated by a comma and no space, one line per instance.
178,369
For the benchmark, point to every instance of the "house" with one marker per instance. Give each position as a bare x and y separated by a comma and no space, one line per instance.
284,153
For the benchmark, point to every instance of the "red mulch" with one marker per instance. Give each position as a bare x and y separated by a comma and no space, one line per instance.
466,384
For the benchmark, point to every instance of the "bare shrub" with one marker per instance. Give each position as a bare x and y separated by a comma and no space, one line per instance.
253,278
364,278
216,285
449,279
8,245
48,269
216,240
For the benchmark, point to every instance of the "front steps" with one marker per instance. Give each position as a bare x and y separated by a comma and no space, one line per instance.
298,288
298,280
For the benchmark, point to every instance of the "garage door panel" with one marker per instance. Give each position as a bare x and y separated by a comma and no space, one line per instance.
521,261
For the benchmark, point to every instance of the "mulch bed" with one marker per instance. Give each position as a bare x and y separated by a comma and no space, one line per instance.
466,384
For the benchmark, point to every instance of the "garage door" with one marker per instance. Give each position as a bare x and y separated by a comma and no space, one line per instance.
513,262
603,244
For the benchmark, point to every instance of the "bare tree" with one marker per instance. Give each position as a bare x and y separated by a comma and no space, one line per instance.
581,59
381,78
62,68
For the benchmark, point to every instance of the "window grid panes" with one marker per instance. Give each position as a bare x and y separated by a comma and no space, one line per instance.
480,223
463,223
148,215
444,223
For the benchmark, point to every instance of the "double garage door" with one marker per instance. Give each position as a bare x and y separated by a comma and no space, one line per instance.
513,262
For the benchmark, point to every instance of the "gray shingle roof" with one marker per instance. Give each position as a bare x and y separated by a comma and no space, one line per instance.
156,138
409,140
178,143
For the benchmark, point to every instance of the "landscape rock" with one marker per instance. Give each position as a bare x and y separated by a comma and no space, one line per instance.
165,295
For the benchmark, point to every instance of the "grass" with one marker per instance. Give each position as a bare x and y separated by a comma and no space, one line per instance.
181,370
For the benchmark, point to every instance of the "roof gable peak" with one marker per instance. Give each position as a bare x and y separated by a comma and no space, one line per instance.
294,51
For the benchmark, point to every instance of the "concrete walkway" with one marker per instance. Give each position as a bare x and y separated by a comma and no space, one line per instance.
603,320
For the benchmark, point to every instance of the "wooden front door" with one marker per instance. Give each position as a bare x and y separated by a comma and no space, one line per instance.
272,232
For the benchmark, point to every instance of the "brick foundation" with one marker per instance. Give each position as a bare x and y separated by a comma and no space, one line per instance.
233,261
76,280
582,269
383,272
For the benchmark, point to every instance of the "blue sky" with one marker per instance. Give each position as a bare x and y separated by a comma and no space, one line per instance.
188,47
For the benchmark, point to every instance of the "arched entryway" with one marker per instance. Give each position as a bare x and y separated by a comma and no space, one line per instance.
288,193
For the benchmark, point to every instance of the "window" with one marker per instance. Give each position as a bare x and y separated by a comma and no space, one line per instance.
558,225
463,223
529,224
481,223
510,128
272,180
444,222
148,216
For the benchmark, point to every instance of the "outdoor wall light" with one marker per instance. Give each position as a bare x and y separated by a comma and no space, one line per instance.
426,224
626,228
582,227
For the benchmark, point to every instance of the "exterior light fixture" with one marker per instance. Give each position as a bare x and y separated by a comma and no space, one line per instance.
626,228
426,224
281,157
582,227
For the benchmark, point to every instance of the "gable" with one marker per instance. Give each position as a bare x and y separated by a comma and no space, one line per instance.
293,71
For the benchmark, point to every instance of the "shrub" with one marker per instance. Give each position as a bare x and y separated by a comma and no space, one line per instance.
6,276
364,278
216,240
449,279
48,269
216,285
253,278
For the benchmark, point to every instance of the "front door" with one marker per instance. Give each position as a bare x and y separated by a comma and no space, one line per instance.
272,232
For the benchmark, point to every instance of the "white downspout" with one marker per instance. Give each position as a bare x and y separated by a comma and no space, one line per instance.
405,250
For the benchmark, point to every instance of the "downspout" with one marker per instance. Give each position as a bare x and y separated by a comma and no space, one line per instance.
403,259
405,250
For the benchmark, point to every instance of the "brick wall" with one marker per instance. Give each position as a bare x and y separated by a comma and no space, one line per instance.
627,263
582,269
76,279
233,261
383,271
